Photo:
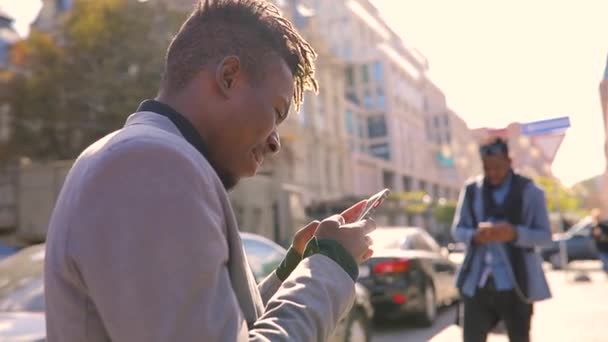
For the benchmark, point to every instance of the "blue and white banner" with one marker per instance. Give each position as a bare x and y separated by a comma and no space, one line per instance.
546,126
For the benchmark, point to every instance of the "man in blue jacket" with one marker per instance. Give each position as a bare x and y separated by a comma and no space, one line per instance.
502,217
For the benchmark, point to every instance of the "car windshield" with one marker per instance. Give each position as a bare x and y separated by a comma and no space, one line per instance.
263,256
582,227
21,281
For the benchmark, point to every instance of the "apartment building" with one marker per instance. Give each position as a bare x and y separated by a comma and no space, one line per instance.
390,101
604,102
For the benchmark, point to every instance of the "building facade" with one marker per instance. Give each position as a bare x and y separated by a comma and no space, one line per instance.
604,103
389,102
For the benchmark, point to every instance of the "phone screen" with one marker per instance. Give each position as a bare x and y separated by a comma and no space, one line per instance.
372,203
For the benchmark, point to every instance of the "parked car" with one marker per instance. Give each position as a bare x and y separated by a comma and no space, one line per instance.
22,296
264,256
22,293
578,242
408,274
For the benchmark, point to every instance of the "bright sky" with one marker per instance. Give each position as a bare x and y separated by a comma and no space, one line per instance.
24,11
518,60
502,61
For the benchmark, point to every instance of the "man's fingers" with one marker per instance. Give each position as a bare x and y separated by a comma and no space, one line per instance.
351,214
368,254
334,220
312,226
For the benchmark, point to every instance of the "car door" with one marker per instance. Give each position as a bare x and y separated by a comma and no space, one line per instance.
581,245
424,242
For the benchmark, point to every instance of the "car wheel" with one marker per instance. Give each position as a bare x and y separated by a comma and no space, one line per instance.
556,261
429,313
357,328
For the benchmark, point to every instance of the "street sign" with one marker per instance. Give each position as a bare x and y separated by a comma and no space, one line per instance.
546,126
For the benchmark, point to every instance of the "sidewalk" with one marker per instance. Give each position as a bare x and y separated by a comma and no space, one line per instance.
578,311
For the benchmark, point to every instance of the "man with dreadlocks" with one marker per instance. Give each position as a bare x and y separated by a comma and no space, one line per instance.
143,244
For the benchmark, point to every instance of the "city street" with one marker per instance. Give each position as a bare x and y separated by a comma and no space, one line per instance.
576,313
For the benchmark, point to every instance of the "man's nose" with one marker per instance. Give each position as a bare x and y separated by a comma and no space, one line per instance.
273,144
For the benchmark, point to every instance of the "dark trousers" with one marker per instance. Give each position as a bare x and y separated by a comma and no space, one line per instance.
488,306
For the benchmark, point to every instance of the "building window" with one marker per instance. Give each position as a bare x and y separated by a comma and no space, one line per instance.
388,179
376,126
436,121
448,138
380,98
378,72
422,185
320,112
368,102
361,124
407,183
364,73
350,76
64,5
446,120
352,97
380,151
435,191
350,123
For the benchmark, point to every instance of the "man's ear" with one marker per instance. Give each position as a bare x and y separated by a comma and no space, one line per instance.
227,73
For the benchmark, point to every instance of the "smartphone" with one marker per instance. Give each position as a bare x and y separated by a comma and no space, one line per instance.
372,203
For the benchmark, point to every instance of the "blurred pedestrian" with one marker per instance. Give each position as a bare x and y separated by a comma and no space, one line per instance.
143,244
502,217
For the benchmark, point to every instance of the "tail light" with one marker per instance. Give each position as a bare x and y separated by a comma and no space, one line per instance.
399,299
392,266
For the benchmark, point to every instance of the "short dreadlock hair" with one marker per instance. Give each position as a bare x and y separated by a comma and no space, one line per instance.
249,29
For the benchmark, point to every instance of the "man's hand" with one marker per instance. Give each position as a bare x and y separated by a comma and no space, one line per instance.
500,232
353,237
304,235
504,232
483,235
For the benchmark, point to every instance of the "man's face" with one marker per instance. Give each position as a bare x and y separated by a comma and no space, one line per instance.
247,134
496,168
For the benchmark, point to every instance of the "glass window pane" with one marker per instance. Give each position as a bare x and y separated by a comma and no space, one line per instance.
378,71
350,76
364,73
350,123
376,126
380,151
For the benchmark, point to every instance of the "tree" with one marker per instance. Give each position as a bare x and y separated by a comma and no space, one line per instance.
79,83
559,198
444,213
